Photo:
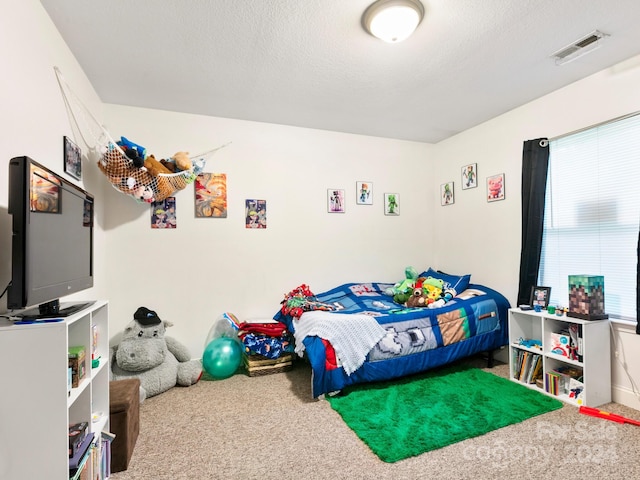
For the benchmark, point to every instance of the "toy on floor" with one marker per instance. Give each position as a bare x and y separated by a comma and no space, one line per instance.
222,357
596,412
223,349
160,362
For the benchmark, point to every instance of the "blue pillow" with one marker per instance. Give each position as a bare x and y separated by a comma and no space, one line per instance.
457,282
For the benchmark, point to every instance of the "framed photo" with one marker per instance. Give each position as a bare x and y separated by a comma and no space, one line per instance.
364,192
72,159
446,194
335,200
495,188
469,176
540,296
391,204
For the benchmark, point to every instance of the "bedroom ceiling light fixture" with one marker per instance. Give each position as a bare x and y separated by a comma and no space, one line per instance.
579,48
392,20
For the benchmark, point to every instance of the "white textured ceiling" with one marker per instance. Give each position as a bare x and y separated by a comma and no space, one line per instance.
309,63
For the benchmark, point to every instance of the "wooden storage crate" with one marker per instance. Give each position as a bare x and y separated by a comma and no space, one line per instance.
257,365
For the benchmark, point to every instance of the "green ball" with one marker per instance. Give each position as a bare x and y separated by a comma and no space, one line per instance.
222,357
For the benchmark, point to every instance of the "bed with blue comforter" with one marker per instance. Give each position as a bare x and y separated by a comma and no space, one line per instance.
362,335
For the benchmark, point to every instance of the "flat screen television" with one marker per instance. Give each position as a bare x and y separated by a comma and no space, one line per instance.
52,243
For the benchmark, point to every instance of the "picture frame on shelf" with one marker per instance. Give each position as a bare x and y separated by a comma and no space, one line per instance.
540,296
447,195
72,158
469,176
495,187
364,193
335,200
392,204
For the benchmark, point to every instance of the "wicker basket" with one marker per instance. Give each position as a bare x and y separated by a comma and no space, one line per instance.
257,365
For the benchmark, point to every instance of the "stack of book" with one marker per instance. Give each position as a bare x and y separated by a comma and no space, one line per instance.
89,457
527,366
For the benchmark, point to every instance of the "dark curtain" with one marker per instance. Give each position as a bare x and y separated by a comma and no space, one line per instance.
535,163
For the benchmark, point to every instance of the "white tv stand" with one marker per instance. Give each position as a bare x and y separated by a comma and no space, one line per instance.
35,407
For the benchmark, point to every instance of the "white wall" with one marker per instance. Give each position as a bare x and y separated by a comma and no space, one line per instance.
207,266
34,119
485,238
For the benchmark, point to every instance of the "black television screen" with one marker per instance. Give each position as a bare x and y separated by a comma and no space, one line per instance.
52,243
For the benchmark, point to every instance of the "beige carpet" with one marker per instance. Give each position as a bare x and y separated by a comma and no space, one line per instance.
269,427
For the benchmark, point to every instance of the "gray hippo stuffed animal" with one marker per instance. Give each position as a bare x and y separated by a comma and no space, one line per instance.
160,362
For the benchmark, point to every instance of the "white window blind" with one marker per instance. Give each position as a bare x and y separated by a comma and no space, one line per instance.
592,213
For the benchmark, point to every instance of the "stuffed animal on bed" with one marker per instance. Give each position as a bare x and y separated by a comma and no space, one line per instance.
160,362
432,288
401,291
418,298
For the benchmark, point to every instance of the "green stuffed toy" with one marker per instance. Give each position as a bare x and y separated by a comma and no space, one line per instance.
401,291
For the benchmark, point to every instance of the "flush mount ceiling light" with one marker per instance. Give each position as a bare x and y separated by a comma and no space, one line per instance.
579,48
392,20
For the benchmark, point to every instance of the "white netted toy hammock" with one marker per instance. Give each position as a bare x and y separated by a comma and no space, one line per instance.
119,169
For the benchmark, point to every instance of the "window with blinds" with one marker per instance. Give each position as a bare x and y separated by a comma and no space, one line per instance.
592,213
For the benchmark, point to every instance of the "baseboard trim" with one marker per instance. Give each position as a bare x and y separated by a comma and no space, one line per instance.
625,396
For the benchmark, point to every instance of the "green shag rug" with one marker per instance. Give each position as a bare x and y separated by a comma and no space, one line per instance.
406,417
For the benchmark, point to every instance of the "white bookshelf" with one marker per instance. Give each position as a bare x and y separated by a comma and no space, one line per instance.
594,362
36,408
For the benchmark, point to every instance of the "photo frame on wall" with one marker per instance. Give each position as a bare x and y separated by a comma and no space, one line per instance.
447,194
495,188
364,193
392,204
469,176
335,200
72,159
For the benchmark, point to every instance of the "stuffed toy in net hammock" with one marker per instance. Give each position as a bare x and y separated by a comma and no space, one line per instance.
132,171
127,165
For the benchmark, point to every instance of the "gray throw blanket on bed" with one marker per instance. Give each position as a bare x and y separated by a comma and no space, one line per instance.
351,335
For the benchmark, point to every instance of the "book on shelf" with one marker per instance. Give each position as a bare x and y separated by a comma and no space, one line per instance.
78,457
527,366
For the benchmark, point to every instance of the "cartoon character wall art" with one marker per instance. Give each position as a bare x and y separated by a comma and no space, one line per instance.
495,188
364,192
255,212
446,194
391,204
470,176
335,200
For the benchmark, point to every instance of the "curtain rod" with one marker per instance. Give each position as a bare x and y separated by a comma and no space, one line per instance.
580,130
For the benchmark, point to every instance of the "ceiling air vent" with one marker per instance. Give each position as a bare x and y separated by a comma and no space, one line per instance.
579,48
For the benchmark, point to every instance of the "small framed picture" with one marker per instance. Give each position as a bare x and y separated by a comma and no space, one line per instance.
364,192
163,214
391,204
469,176
255,213
446,194
72,159
495,188
335,200
540,297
